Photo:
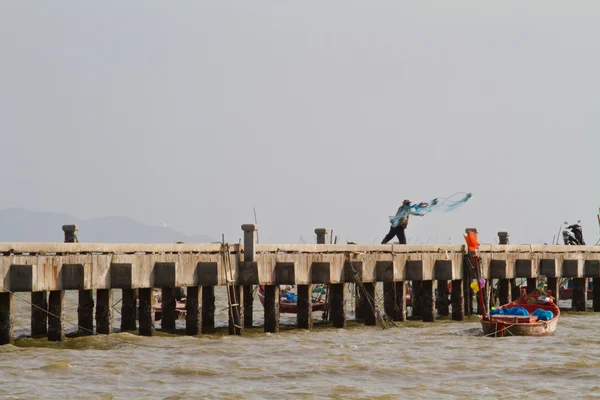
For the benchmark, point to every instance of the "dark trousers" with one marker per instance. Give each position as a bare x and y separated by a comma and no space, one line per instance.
397,231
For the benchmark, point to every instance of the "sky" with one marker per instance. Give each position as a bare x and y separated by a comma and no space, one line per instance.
317,114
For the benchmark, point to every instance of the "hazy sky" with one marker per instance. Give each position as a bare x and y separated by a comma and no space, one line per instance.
318,113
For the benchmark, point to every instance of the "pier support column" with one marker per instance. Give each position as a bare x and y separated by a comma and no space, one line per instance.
428,301
128,310
236,310
169,310
248,305
271,307
515,291
39,314
6,318
394,300
579,294
104,317
146,312
85,313
596,292
304,313
531,284
553,287
442,298
504,291
369,304
337,297
458,301
415,298
193,311
56,317
208,309
359,303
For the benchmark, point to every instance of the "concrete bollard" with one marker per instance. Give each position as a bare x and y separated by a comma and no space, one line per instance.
304,311
250,242
458,301
146,312
129,310
6,318
208,309
193,314
70,232
271,306
104,318
321,235
394,300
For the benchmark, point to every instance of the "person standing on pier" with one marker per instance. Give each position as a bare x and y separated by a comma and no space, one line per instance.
399,223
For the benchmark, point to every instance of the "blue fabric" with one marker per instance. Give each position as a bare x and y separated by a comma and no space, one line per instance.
441,203
510,311
543,315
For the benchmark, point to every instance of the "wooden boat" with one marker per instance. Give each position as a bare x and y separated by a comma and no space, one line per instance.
513,325
318,303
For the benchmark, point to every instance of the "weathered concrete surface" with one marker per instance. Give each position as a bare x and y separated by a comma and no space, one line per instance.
39,314
457,300
104,317
56,317
208,309
6,319
193,307
394,300
304,311
271,308
337,296
128,310
85,312
145,312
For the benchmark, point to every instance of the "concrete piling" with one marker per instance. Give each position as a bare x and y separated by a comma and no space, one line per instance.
579,294
458,301
146,313
428,301
193,314
208,309
250,242
128,310
415,297
504,291
369,308
236,310
360,303
6,318
554,288
596,292
169,310
248,292
304,311
515,291
271,306
394,300
39,314
531,284
85,313
104,315
56,317
337,298
442,298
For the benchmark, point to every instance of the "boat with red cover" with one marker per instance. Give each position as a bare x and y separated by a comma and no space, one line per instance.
288,306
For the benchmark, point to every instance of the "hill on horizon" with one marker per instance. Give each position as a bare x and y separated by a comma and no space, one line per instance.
22,225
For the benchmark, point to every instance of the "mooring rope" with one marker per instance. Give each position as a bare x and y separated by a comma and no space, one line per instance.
84,328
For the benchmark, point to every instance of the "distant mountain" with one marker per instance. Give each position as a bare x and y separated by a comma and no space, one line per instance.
21,225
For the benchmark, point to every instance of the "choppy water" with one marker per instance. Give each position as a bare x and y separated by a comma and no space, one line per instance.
416,360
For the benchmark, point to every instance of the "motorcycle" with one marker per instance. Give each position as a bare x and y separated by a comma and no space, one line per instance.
573,234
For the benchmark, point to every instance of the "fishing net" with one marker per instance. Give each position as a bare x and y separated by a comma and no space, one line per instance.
443,204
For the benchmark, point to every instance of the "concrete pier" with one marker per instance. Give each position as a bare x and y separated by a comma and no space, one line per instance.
85,312
41,268
145,312
56,316
304,314
193,308
596,292
39,314
457,300
128,310
236,311
168,311
579,294
6,319
104,318
271,307
248,292
369,304
442,298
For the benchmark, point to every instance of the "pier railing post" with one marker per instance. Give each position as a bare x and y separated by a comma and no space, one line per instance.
250,241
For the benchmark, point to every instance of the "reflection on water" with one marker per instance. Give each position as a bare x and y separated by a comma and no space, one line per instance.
418,360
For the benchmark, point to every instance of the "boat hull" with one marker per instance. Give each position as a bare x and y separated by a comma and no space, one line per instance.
499,329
